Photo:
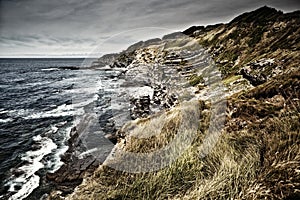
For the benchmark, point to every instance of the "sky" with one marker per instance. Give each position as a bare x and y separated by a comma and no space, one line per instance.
78,28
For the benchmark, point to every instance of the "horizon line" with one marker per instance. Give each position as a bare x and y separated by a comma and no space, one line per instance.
48,57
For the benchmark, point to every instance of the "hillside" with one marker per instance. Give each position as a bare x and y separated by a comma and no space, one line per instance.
256,154
263,34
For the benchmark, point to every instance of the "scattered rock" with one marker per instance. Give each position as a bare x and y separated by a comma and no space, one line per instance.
141,107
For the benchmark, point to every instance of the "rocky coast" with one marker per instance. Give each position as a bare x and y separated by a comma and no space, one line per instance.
253,61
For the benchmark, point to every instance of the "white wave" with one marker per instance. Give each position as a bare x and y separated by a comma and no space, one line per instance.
54,129
81,97
68,131
6,120
50,69
62,110
37,138
56,162
19,112
76,108
38,83
2,111
27,188
87,88
29,180
88,152
60,124
79,103
80,93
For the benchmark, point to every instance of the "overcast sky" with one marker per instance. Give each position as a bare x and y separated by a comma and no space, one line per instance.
34,28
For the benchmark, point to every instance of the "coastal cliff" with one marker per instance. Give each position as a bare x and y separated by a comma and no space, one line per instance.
257,152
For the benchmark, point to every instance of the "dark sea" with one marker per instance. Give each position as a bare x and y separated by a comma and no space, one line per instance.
36,114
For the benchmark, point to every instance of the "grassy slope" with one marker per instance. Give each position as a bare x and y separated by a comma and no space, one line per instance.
264,33
258,154
256,161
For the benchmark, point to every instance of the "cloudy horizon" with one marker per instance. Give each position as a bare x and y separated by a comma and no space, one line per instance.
74,28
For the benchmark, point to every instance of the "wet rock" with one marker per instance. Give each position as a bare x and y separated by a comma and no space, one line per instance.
17,187
112,137
71,173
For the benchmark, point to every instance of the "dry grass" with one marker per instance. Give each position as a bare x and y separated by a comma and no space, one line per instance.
258,162
256,157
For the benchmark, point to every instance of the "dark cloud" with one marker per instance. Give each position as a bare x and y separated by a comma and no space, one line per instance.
78,26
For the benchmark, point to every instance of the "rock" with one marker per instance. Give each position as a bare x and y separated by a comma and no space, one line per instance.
71,173
112,137
17,172
70,68
260,71
55,195
140,107
255,80
277,101
193,31
65,190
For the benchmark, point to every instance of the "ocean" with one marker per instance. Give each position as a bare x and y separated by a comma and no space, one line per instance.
37,111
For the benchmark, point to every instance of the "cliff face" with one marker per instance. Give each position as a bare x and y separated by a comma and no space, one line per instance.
257,155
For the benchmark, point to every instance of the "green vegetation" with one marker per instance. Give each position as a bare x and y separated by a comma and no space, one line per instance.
231,56
204,43
234,35
243,38
231,79
195,80
256,36
182,62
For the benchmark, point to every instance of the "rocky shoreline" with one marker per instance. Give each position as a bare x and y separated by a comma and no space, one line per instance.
72,172
152,78
243,63
75,168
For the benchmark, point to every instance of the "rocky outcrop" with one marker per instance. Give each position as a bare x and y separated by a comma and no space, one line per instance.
71,174
140,107
161,99
258,72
